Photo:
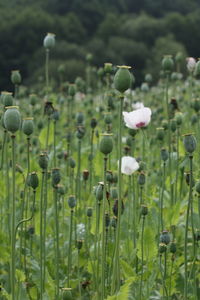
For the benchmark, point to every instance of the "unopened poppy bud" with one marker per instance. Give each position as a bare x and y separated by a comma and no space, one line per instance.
162,248
198,187
55,173
79,244
108,118
107,220
89,212
164,154
173,125
160,133
99,192
115,208
34,181
167,63
114,193
122,79
48,108
12,118
106,144
49,41
67,294
72,163
172,247
132,132
80,132
144,210
165,237
7,98
72,201
108,68
85,175
141,178
72,90
93,123
189,143
16,77
33,99
43,160
28,126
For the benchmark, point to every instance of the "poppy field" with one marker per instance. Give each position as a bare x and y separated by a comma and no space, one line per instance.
100,184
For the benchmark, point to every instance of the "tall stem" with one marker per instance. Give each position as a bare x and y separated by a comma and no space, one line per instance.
13,222
70,247
41,237
47,70
57,242
142,252
161,199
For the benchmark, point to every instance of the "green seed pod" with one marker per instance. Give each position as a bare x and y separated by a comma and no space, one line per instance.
144,87
179,118
148,78
72,201
72,90
108,67
115,177
198,187
80,132
144,210
80,118
12,119
67,294
79,244
165,124
100,72
93,123
164,154
89,212
122,79
165,237
141,178
132,132
108,118
174,76
33,99
7,98
189,143
160,134
89,57
49,41
179,57
60,189
28,126
167,64
55,173
40,124
106,144
34,181
173,125
172,247
16,77
72,163
43,160
109,176
162,248
99,192
114,193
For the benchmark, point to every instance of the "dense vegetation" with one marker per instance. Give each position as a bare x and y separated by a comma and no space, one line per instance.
136,33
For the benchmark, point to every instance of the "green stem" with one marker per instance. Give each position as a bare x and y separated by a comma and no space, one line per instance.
41,236
91,159
47,70
47,136
161,198
54,143
70,247
13,240
3,148
57,242
142,252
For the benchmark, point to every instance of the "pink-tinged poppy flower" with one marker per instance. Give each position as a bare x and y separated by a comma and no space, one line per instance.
191,63
137,118
129,165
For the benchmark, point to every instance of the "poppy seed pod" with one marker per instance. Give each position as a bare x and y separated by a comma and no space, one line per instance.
72,163
108,68
122,79
141,178
34,181
12,118
43,160
108,118
72,90
160,133
55,173
72,201
179,118
165,237
164,154
16,77
114,193
162,248
28,126
67,294
7,98
115,177
89,212
173,125
93,123
148,78
109,176
49,41
60,189
106,144
80,132
167,63
144,210
80,118
190,143
99,192
172,247
85,175
48,108
79,244
115,208
33,99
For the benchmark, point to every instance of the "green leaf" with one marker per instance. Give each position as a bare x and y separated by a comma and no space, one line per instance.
150,249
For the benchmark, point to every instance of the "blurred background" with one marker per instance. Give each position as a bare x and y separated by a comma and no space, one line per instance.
133,32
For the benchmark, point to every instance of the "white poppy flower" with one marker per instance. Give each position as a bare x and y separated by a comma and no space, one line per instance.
191,63
137,118
129,165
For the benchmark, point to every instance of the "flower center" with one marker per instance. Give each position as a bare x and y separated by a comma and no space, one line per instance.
141,124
